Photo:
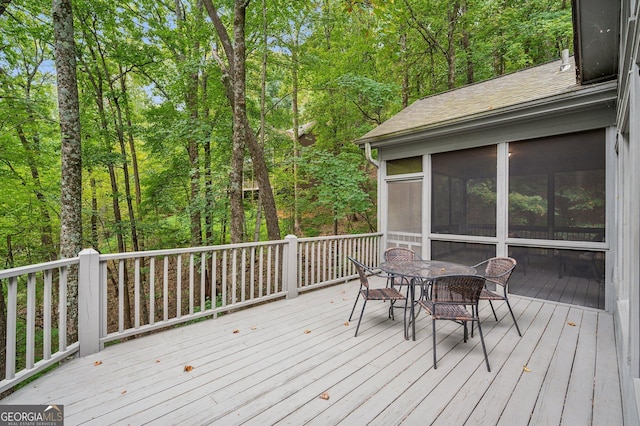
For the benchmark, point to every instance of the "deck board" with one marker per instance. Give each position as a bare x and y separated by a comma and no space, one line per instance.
284,354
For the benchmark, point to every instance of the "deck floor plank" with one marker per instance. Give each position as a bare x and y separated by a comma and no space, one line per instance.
580,392
607,405
528,388
288,352
550,403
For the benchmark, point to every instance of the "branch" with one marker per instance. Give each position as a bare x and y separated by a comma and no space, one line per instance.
221,30
3,5
426,34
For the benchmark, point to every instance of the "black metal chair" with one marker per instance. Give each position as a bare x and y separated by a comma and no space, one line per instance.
385,294
398,254
451,297
497,270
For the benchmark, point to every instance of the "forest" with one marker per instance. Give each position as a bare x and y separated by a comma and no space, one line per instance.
204,122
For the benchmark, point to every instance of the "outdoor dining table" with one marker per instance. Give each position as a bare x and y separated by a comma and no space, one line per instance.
418,273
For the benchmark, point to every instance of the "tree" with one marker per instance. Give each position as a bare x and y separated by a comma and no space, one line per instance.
71,152
234,79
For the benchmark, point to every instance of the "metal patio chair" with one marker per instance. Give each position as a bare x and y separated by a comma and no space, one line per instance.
497,270
389,294
399,254
455,298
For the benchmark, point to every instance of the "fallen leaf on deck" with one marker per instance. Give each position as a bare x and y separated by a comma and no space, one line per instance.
97,363
324,396
572,324
157,360
236,331
188,368
123,392
307,331
526,369
254,328
346,323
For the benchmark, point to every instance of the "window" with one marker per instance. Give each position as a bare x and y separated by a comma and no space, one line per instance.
404,166
557,188
405,206
464,192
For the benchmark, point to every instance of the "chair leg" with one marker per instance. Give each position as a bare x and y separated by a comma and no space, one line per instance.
493,310
514,317
433,322
360,319
484,348
354,306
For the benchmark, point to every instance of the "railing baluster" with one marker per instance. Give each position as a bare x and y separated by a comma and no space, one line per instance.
12,315
277,277
214,287
31,319
243,276
269,257
104,290
121,291
136,292
152,290
179,286
224,277
62,310
234,275
203,281
261,272
46,315
191,283
165,288
252,277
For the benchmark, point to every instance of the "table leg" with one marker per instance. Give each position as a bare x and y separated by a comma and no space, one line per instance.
413,312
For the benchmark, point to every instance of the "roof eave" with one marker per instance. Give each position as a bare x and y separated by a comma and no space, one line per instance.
586,97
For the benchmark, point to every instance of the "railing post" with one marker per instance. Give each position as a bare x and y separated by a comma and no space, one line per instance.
89,302
291,266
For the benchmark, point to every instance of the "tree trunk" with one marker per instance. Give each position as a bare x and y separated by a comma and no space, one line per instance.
296,135
451,46
405,71
71,152
132,147
230,74
466,45
238,78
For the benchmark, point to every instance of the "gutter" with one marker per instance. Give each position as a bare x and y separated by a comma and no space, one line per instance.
367,153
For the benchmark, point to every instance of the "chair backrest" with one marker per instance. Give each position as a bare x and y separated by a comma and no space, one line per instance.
499,269
364,280
400,253
457,289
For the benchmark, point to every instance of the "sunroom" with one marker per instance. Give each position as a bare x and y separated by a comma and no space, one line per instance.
517,166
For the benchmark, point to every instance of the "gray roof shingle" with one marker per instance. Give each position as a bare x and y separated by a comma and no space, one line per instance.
531,84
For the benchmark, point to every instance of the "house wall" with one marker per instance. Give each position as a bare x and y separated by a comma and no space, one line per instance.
626,274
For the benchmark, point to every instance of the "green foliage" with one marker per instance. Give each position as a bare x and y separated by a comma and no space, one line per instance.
336,184
355,61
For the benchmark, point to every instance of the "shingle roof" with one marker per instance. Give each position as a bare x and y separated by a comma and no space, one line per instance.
520,87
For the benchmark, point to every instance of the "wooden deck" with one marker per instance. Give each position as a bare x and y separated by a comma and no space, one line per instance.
270,364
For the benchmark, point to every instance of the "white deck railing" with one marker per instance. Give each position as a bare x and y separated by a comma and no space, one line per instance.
128,294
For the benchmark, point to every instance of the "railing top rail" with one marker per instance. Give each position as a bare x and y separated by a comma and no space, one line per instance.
22,270
187,250
340,237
